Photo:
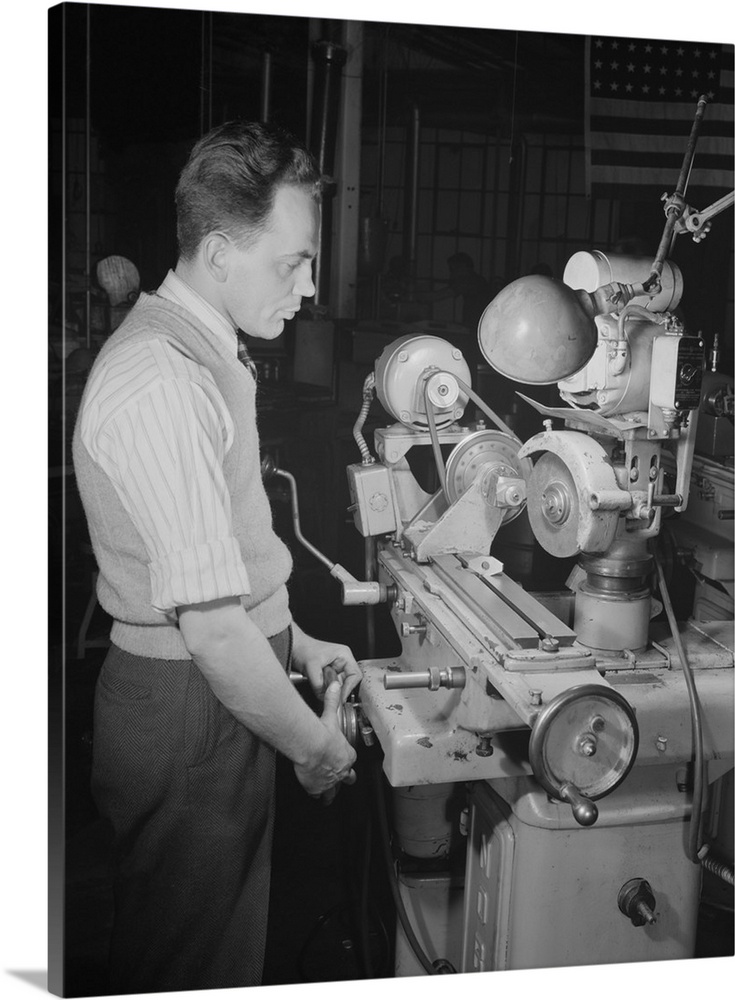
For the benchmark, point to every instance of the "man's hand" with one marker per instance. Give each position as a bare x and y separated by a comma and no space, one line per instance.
322,775
311,657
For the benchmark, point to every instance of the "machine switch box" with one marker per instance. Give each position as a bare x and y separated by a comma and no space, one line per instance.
677,367
371,499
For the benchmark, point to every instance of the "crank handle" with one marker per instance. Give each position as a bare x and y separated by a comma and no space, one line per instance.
584,810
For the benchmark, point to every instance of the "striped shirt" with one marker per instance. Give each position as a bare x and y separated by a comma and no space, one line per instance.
156,423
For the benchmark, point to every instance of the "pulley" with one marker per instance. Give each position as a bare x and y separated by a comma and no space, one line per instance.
496,455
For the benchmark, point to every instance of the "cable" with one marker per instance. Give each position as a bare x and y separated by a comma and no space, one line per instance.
337,910
439,966
354,913
367,396
696,713
364,903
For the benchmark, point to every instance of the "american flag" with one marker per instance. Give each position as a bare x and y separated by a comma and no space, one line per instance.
640,105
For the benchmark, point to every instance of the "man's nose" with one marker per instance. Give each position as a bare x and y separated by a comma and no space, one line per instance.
304,285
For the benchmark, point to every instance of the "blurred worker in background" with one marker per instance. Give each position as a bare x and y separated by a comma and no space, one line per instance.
194,697
475,293
471,287
466,284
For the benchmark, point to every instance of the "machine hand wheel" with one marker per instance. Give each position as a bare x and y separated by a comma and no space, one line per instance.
583,744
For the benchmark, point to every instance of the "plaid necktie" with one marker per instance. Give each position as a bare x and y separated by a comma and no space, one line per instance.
243,356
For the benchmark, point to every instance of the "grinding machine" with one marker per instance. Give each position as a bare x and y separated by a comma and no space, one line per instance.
576,742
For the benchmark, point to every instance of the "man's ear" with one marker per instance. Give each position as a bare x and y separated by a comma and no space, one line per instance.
216,249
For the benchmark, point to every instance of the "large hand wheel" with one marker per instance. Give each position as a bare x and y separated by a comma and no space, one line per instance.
583,744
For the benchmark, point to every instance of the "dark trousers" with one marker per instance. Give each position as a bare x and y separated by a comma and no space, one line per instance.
189,792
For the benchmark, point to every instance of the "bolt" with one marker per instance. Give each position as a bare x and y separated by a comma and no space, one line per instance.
485,747
597,724
443,389
633,475
683,781
550,645
456,354
407,629
536,698
587,746
464,822
405,415
548,424
403,356
661,742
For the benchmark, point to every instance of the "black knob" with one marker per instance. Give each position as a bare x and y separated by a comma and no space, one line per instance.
636,901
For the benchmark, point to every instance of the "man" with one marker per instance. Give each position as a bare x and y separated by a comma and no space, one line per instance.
465,283
194,698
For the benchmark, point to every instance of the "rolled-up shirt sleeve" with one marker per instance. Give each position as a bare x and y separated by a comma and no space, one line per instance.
164,452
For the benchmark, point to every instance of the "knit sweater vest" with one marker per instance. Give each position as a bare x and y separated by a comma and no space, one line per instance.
123,586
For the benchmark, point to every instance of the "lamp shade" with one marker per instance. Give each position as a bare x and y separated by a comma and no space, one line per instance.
538,331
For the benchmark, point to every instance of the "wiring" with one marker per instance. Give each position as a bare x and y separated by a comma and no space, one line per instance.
439,966
696,714
367,395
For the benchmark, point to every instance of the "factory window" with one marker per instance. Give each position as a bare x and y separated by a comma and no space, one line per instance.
508,209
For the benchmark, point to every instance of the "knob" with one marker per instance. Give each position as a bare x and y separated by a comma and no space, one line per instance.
407,629
584,810
636,901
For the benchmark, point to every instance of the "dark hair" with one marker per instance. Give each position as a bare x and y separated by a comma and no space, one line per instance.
230,180
461,259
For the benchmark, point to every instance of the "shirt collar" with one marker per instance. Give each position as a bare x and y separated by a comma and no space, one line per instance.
175,289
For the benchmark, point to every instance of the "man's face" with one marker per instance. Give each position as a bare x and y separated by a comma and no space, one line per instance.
267,281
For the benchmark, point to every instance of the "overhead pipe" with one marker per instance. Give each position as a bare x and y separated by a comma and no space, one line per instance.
517,166
410,218
329,58
205,75
382,125
266,85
